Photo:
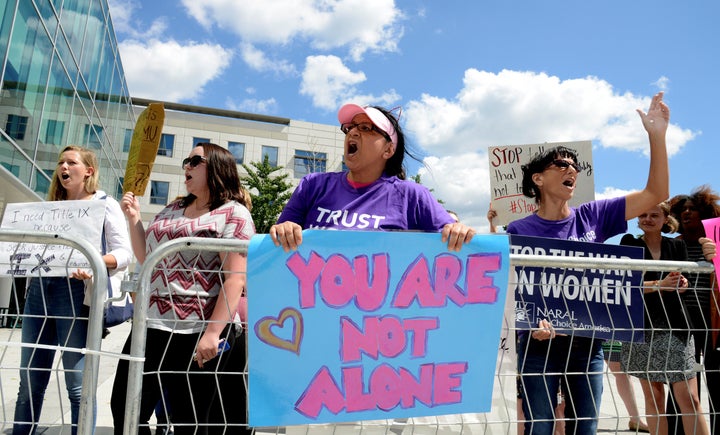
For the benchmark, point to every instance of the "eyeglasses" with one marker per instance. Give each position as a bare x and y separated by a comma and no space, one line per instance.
363,127
564,164
193,161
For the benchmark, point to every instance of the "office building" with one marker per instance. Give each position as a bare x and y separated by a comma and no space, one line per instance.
62,82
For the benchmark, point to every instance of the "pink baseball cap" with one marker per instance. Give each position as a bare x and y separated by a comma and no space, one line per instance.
349,111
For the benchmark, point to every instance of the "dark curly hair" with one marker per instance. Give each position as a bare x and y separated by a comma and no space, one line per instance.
705,200
538,164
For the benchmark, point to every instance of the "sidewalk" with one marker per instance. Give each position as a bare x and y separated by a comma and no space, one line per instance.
56,410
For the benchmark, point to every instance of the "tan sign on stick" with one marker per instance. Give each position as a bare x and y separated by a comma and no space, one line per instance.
144,148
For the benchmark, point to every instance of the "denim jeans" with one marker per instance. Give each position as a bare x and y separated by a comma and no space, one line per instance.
574,365
54,315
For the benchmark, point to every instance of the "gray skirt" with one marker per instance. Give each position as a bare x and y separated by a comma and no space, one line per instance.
666,358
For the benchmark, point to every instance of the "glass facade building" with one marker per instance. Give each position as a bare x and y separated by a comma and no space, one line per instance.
61,83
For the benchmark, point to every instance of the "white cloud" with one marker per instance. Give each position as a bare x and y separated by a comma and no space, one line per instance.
612,192
461,182
252,105
330,83
170,71
326,78
359,25
125,22
514,107
257,60
662,83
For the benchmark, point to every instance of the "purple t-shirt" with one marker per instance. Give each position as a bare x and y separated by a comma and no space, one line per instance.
327,200
594,221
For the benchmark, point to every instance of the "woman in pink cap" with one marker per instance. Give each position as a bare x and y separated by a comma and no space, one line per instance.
372,195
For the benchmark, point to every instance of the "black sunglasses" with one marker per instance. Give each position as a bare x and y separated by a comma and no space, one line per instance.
564,164
193,161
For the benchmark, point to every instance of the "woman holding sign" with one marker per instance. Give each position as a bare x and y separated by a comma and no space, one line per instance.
190,336
547,361
668,353
373,194
55,313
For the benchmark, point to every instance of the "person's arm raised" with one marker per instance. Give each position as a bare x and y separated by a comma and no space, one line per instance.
657,189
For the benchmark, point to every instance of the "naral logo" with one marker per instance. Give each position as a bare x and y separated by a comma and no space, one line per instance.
525,312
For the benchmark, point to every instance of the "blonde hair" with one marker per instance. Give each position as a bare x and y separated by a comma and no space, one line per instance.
57,192
672,224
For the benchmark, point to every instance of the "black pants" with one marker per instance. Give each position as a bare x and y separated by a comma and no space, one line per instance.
196,396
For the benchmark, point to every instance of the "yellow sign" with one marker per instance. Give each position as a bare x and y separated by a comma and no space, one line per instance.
144,148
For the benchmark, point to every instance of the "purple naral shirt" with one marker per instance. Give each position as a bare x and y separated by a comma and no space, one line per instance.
594,221
327,200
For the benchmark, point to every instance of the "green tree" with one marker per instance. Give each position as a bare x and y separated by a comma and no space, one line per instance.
269,193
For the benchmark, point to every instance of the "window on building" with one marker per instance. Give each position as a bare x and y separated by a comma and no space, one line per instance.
127,140
15,126
272,155
167,143
92,136
54,132
14,169
307,162
42,182
119,190
197,140
238,151
159,192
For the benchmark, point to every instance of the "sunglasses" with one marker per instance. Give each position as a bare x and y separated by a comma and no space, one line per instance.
363,127
564,164
193,161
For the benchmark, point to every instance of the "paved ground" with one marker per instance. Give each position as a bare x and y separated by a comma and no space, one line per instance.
55,410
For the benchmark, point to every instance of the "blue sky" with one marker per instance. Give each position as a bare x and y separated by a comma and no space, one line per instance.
467,74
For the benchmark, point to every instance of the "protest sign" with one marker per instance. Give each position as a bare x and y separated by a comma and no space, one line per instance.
80,219
586,302
373,325
144,148
712,231
506,178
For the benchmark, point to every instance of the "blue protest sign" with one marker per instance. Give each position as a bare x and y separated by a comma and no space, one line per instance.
586,302
373,325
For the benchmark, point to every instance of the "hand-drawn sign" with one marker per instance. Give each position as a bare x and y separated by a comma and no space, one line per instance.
506,178
83,219
384,325
144,148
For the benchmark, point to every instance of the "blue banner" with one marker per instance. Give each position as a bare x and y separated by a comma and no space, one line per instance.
373,325
595,303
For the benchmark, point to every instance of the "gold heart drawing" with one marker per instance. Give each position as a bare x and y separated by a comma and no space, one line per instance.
263,329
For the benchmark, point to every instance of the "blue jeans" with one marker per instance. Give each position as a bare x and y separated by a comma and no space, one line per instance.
573,364
54,315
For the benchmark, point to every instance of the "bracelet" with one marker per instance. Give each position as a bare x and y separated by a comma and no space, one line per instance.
656,285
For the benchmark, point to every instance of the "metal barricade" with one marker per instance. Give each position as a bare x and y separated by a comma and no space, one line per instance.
503,419
86,424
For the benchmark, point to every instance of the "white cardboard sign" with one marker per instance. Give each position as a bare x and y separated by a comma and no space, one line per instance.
77,219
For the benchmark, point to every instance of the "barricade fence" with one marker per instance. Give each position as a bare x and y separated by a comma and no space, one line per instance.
48,324
228,373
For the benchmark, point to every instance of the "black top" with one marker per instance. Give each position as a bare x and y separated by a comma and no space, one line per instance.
663,309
